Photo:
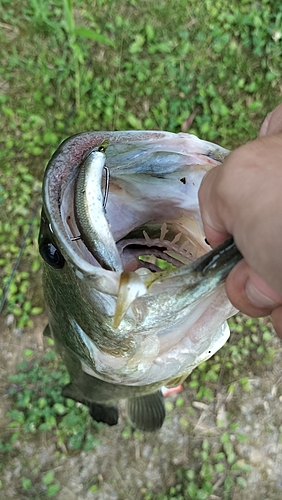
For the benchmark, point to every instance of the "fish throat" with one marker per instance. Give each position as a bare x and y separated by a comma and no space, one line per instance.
156,246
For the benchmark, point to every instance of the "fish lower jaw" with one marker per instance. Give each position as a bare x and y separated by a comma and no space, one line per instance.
160,371
158,360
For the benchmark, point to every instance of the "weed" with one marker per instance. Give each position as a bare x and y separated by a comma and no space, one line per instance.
210,467
37,405
78,52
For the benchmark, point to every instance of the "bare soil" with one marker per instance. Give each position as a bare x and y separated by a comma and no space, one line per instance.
128,465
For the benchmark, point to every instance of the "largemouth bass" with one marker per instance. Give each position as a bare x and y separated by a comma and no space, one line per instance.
116,207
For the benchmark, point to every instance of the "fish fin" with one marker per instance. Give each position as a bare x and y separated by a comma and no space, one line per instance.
147,412
69,391
103,413
99,412
47,331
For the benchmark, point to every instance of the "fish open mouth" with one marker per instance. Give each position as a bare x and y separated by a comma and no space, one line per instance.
149,221
151,217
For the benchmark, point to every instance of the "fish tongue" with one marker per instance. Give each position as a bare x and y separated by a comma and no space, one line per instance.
130,287
147,412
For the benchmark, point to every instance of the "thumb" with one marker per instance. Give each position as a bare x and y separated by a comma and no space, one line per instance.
273,122
248,292
260,294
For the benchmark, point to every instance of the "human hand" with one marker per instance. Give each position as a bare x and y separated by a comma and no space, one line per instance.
243,198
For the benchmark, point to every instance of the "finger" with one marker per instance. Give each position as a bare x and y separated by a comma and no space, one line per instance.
214,228
273,122
249,293
276,317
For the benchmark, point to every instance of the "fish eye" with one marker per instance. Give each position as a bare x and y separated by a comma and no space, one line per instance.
51,255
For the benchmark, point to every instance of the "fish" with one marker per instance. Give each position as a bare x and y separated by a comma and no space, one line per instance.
134,294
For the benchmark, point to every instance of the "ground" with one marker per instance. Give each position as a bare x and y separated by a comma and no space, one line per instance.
131,465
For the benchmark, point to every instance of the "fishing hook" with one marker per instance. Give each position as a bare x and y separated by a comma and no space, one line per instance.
107,186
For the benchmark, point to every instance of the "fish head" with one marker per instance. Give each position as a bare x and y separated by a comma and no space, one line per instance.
153,312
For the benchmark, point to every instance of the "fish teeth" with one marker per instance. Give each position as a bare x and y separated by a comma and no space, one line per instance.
176,239
164,231
149,241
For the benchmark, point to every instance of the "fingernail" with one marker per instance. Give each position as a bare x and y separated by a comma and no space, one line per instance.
257,298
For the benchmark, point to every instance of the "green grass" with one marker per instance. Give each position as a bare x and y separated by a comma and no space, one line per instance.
37,404
113,65
121,65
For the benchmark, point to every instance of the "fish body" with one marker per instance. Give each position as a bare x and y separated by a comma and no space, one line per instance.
124,326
